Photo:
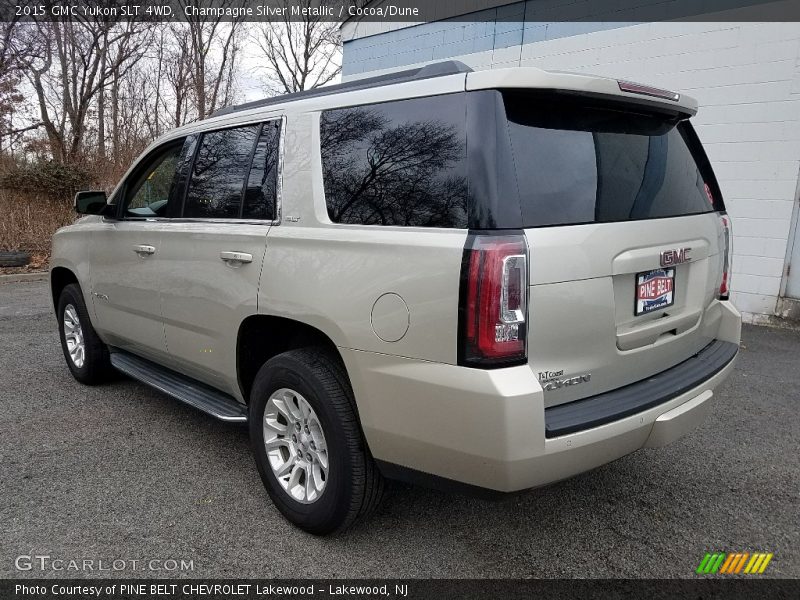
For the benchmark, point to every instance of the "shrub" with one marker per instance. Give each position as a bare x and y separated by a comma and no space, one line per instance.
49,178
29,221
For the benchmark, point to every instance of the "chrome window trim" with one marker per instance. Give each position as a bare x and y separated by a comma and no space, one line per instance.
279,183
200,220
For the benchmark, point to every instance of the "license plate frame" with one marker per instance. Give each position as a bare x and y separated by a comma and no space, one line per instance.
658,295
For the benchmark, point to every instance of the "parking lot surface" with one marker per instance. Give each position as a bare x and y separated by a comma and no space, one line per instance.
122,472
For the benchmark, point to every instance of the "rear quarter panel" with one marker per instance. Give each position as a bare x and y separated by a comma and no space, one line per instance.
330,276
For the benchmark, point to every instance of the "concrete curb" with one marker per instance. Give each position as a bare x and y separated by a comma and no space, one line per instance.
20,277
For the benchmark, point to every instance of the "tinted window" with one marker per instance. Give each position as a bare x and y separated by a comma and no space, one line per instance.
262,183
219,172
182,173
150,188
581,164
398,163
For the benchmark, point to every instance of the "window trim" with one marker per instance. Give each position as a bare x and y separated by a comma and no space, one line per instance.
216,220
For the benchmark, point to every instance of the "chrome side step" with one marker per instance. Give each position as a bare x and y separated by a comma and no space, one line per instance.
185,389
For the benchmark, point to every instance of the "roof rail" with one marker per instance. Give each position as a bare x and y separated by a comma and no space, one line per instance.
439,69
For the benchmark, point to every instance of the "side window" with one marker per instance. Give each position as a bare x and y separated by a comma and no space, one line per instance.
397,163
150,187
218,173
262,183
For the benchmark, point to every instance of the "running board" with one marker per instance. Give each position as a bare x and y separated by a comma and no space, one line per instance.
185,389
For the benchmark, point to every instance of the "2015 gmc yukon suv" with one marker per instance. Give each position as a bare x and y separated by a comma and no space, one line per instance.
495,279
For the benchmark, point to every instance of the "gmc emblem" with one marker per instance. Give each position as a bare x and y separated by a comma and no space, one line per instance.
675,257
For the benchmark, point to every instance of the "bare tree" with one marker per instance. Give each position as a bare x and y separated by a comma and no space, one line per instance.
178,77
71,63
301,54
102,89
10,79
214,46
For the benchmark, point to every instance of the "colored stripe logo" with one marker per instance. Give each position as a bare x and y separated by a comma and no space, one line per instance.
734,563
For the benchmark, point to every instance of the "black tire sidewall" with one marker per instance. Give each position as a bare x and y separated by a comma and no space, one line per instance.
14,258
93,369
324,515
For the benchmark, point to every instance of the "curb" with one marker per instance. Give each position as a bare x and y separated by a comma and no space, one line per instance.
20,277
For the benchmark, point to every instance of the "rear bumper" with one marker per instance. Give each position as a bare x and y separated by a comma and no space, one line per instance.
488,428
638,397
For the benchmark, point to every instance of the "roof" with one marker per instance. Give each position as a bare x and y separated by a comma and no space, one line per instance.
440,69
435,79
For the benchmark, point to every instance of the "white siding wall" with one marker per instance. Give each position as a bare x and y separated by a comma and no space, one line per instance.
746,78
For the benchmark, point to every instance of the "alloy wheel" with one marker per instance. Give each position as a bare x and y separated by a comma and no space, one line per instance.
295,445
73,334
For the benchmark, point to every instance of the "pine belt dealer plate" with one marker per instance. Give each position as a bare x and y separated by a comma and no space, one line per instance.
654,290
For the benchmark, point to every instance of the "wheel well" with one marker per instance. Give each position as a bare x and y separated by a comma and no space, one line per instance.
60,278
262,336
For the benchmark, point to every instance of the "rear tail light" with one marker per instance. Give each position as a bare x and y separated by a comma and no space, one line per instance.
493,305
726,249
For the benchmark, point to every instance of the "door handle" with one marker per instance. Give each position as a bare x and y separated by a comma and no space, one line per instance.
236,257
144,250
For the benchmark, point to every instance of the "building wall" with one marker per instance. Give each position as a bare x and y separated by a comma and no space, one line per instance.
745,76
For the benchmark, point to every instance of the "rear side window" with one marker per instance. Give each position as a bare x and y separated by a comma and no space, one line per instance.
397,163
583,164
262,183
218,173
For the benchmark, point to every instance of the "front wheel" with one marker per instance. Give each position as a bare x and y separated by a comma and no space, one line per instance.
308,444
85,353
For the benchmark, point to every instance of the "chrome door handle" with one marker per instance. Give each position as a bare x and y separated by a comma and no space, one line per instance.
236,257
144,250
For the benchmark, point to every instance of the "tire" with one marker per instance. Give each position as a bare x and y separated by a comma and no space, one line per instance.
352,486
14,258
94,366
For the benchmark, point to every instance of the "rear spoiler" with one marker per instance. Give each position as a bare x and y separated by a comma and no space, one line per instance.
584,85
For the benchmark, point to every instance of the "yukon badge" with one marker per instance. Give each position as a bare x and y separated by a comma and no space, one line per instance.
675,257
552,380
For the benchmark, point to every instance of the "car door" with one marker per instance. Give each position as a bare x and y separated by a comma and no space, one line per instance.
124,253
211,259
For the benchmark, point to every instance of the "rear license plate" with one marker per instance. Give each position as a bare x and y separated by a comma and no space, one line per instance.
654,290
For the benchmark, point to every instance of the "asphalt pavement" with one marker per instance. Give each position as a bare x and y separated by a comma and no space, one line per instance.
122,472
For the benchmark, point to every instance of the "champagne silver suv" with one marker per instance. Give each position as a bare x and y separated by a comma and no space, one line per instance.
489,280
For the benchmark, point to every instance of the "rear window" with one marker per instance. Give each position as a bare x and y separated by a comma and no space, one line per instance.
510,159
575,164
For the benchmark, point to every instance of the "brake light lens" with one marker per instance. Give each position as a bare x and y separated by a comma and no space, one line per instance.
494,301
726,235
647,90
710,196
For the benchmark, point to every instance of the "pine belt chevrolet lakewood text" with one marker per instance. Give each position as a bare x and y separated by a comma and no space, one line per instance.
491,280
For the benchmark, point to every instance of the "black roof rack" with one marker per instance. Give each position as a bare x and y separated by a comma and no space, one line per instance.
440,69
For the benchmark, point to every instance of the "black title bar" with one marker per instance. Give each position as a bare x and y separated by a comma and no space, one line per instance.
402,11
444,589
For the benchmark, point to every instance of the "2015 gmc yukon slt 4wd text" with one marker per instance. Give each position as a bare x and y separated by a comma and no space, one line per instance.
495,279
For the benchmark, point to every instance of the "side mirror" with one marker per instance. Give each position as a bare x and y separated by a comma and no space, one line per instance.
90,203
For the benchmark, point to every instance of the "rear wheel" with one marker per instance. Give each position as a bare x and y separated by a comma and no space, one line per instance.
308,444
86,355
